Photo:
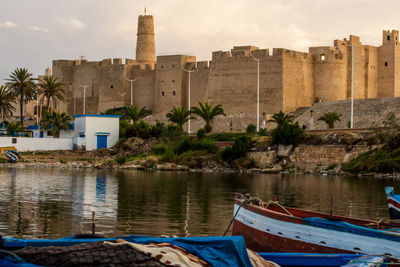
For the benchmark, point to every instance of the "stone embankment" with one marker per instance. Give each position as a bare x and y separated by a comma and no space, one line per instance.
320,152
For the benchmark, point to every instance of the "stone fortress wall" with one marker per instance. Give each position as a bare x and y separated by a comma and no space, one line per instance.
288,79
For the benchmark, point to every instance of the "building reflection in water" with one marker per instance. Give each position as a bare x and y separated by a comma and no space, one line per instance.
59,202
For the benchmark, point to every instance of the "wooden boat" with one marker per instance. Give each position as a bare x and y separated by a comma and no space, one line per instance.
393,201
275,228
217,251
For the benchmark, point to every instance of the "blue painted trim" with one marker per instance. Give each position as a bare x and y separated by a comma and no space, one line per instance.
96,115
351,228
102,133
33,127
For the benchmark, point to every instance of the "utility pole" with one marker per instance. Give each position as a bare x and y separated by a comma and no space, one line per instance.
189,71
258,91
84,97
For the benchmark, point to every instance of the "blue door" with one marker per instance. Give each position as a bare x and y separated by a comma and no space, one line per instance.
101,141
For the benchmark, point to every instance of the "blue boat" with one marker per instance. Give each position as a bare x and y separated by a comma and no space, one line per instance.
393,201
216,251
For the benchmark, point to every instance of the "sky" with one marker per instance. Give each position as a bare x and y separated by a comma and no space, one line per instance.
35,32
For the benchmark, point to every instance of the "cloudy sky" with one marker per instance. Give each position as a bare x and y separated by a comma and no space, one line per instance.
34,32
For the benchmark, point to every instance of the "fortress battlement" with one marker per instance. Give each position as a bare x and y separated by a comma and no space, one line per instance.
288,79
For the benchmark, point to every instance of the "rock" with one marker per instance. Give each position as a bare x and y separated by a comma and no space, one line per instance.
263,159
277,168
284,151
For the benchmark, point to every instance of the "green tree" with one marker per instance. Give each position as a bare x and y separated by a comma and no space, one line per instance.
51,90
207,112
281,118
14,127
7,98
135,113
54,122
23,86
179,116
330,118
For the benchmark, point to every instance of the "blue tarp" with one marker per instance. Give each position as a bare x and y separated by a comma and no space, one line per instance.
217,251
351,228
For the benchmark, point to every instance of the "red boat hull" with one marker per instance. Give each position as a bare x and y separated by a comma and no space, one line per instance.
263,242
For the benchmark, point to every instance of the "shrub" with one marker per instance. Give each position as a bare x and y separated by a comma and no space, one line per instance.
139,129
123,125
251,129
263,132
201,133
204,144
239,148
287,134
121,159
183,146
158,129
159,149
169,155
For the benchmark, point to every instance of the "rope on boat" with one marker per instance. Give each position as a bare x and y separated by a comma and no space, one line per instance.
257,201
236,213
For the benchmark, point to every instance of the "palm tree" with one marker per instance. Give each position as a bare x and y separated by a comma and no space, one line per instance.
7,98
179,116
281,118
330,118
135,114
54,122
207,112
23,85
51,90
14,127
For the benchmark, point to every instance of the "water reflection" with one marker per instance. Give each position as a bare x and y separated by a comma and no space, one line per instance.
56,203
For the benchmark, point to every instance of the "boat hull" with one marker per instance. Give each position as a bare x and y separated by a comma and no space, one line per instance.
270,231
261,241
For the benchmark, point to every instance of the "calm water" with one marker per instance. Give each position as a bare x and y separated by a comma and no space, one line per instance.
59,202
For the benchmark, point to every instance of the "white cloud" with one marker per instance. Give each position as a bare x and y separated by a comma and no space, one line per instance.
8,24
73,23
38,29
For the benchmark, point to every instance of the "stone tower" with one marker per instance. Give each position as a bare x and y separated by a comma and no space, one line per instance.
145,44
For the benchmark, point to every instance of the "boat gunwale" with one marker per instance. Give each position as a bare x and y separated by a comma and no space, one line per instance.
295,218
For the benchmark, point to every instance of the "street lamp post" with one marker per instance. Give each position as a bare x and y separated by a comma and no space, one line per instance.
84,97
352,88
258,90
132,81
189,71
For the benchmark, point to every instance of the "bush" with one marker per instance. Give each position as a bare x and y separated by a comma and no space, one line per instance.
287,134
168,156
201,133
251,129
204,144
158,129
238,149
263,132
159,149
183,146
123,125
121,159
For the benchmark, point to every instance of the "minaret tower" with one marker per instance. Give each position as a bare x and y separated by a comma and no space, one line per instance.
145,44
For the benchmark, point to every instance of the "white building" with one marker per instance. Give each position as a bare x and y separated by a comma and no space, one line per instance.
95,131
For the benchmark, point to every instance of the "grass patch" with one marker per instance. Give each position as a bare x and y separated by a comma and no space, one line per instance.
379,160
